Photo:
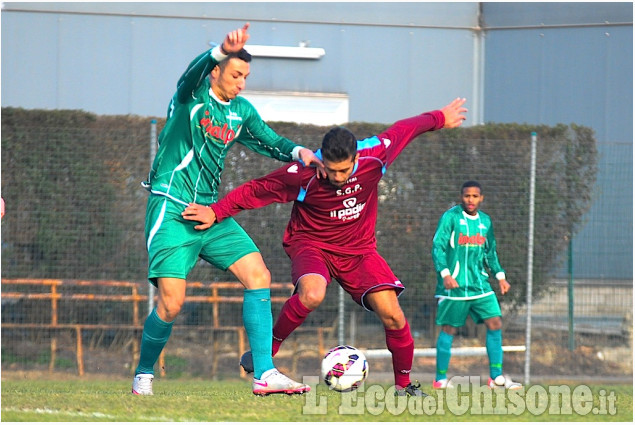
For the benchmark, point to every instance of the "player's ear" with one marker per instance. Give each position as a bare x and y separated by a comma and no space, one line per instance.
215,72
356,158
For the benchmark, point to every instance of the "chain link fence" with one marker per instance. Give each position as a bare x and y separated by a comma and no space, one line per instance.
75,210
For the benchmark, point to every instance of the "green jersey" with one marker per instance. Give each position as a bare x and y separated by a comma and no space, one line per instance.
199,131
464,246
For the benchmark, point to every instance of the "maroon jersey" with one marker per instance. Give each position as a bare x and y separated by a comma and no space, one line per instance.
335,219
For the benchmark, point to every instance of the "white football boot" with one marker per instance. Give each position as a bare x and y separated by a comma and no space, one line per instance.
142,384
504,382
274,382
442,384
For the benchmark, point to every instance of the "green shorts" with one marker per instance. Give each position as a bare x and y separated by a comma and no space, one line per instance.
174,246
454,312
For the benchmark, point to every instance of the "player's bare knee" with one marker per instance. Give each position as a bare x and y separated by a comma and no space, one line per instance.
393,320
312,299
450,330
169,309
259,279
494,323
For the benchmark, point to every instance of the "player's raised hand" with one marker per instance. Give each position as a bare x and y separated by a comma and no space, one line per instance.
235,40
454,113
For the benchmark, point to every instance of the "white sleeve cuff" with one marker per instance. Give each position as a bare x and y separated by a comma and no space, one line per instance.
500,275
217,54
445,272
295,153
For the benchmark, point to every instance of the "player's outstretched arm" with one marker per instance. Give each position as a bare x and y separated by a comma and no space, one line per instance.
453,113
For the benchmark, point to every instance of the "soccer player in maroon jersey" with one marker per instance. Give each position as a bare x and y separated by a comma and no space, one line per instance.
331,233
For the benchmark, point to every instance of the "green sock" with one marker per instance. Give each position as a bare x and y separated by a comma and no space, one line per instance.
156,333
444,347
494,345
258,323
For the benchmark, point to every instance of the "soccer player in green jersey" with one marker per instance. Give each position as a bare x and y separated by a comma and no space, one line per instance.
205,118
462,248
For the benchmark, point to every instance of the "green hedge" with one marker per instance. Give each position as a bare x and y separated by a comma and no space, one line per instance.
75,208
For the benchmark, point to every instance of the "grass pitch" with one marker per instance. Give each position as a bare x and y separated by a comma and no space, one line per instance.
109,400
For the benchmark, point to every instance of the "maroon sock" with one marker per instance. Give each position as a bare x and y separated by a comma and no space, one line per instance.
291,316
401,345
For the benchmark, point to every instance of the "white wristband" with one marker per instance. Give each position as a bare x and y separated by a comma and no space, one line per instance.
217,54
500,275
295,153
445,272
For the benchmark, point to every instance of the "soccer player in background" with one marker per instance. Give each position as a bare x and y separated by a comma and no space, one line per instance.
205,118
463,247
331,233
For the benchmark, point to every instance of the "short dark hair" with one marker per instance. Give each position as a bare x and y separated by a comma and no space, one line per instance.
471,183
339,144
242,54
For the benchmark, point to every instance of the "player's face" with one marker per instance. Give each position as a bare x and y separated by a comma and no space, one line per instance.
230,81
471,198
339,172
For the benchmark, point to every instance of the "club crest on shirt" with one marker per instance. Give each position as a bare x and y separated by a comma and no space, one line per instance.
293,169
350,202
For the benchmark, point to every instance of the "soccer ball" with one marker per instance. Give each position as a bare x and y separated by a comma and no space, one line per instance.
344,368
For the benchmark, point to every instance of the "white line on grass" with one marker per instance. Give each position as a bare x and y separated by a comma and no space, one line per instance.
47,411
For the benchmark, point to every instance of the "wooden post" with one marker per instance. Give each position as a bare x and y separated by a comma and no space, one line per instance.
135,306
215,307
80,351
241,349
215,356
135,353
53,323
53,352
135,337
321,350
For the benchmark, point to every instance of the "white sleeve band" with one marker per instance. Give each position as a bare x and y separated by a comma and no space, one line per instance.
217,54
500,275
445,272
295,153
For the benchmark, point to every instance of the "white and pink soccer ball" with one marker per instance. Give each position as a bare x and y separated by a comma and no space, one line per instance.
344,368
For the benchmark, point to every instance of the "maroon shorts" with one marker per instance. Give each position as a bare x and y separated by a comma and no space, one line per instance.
358,274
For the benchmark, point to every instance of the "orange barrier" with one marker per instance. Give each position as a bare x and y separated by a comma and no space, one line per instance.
73,290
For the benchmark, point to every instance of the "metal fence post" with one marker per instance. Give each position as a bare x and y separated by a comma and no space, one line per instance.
340,316
153,152
570,293
530,254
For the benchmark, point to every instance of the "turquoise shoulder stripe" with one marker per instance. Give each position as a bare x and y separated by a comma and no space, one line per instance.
370,142
301,195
